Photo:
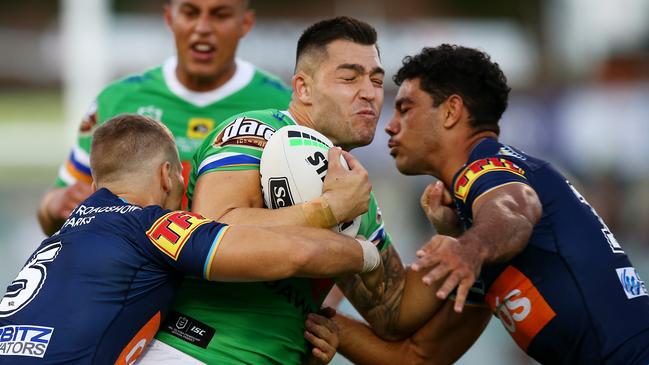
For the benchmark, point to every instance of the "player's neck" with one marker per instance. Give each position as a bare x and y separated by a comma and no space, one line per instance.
141,197
205,83
301,115
457,153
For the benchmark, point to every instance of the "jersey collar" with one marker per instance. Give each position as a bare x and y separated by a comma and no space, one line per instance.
289,115
242,77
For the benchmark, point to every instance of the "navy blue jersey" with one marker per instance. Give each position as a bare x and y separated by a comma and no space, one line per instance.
95,292
572,296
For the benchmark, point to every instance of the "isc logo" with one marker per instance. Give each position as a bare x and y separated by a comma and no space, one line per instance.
280,193
198,331
519,306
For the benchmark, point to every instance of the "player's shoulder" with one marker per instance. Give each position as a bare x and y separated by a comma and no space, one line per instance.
252,128
493,153
268,82
262,123
267,90
132,83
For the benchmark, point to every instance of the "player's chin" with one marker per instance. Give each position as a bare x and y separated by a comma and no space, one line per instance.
404,166
202,70
364,130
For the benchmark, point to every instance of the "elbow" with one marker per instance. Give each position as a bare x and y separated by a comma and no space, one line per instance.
414,354
302,259
532,206
393,334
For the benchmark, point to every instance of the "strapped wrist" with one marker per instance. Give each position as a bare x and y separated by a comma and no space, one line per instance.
371,256
318,213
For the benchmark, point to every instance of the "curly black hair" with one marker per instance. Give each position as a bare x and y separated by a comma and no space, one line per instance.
450,69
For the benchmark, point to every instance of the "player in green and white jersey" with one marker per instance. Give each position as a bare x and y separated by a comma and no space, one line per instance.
255,323
203,84
337,90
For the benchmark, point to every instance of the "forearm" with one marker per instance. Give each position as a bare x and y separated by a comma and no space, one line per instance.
253,253
381,311
308,214
48,223
361,346
442,340
263,217
324,253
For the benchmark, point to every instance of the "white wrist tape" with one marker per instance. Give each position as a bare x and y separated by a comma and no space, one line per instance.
371,256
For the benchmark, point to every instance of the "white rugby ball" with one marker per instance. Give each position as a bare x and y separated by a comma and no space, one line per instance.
293,167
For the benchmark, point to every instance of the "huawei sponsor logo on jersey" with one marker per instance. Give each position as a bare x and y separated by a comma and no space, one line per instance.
244,131
519,305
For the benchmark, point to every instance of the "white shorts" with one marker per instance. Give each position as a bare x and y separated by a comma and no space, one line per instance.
159,353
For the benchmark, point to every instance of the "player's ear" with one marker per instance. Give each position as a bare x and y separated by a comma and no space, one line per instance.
301,83
166,182
167,14
249,19
453,109
93,186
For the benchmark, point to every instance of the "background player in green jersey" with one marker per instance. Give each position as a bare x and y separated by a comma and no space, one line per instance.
203,84
338,90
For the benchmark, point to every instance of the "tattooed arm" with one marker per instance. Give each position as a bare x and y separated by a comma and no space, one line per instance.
404,305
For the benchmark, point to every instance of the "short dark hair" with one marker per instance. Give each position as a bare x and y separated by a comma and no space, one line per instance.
320,34
450,69
129,144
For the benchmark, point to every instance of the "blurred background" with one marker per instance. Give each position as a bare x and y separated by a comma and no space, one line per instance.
579,72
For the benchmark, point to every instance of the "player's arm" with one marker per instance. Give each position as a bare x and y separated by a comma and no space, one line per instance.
381,308
442,340
405,305
503,220
73,181
57,204
235,197
247,253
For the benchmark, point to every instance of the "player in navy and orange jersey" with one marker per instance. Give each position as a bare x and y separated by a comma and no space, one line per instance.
96,291
553,272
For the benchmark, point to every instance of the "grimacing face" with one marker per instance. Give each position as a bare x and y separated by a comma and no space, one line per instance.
415,130
207,33
348,93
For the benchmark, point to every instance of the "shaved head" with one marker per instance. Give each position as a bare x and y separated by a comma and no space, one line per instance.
312,45
128,146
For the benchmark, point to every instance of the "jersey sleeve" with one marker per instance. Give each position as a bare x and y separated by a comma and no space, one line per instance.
77,166
236,146
372,227
185,241
485,174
